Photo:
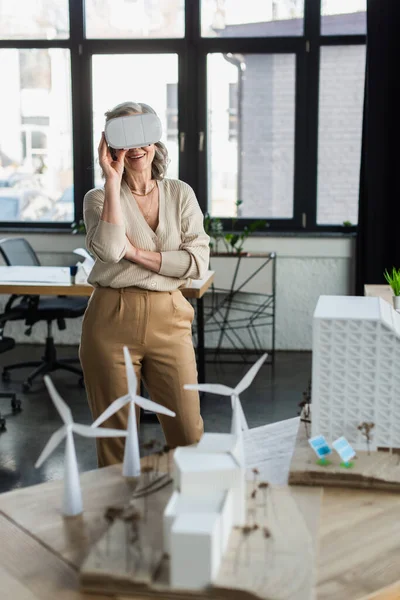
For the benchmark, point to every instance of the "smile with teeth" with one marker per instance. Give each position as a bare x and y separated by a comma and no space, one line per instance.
136,156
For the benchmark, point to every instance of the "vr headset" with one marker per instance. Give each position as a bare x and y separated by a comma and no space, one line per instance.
134,131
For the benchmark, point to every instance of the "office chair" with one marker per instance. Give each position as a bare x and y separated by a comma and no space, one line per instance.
32,309
7,343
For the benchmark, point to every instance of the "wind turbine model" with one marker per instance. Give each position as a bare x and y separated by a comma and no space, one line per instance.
131,466
239,422
72,502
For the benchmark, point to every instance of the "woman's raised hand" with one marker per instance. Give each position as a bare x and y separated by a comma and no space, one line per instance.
112,169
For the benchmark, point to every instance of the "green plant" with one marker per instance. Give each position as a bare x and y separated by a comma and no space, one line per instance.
234,240
347,224
78,227
214,228
393,280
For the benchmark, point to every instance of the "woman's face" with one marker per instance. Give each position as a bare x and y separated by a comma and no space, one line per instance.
140,159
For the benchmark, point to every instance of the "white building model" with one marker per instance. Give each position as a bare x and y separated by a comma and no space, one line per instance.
209,496
356,370
208,500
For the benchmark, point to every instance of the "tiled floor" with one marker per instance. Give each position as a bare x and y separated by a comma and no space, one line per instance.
273,396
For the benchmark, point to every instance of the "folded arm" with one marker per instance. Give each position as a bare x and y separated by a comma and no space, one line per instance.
104,239
107,241
192,258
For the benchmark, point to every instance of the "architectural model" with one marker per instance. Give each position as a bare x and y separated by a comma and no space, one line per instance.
209,499
355,371
210,495
201,525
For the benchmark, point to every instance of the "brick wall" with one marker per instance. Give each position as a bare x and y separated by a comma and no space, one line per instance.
268,109
340,128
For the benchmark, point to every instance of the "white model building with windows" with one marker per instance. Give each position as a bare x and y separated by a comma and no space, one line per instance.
209,499
356,370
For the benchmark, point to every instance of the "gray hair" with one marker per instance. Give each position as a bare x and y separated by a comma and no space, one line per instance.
160,162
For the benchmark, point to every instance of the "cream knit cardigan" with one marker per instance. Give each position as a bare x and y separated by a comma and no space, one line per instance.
179,237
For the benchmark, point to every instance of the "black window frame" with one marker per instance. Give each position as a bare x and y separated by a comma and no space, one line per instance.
192,51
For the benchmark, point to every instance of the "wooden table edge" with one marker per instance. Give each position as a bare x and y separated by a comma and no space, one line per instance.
82,289
191,292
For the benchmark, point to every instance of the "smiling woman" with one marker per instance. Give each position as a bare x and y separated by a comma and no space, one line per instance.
146,234
161,93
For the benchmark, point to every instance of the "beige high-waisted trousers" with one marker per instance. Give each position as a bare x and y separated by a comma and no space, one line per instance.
156,327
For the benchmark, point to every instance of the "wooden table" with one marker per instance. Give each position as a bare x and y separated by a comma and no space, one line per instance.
40,552
196,292
379,291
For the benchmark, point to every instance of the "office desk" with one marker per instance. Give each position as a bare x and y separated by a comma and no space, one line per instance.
196,292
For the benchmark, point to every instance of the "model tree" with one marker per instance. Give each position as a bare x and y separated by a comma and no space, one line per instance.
304,408
366,429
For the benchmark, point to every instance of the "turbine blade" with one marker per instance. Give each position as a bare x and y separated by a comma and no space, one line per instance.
51,445
153,406
130,373
251,373
88,431
63,409
212,388
112,409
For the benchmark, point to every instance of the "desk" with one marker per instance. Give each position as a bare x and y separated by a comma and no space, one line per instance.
379,291
196,292
41,553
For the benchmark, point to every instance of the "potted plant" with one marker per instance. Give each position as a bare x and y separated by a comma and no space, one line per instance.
78,227
393,280
233,241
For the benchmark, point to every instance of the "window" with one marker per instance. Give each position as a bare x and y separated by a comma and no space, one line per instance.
253,18
341,96
36,136
34,20
344,17
135,18
260,101
256,163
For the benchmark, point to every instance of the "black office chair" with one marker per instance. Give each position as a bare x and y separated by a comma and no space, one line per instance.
32,309
7,343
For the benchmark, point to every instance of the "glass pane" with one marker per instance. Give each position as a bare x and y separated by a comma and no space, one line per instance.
341,98
251,116
343,17
36,171
135,19
252,18
110,89
34,19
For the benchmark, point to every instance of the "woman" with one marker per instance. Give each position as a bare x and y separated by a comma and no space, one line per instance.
146,234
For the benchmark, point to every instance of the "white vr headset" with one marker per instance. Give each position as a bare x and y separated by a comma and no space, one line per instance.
134,131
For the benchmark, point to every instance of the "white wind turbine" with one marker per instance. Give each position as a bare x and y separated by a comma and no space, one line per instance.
239,422
131,466
72,502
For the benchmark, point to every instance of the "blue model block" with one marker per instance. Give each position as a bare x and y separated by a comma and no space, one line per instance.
320,446
343,448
